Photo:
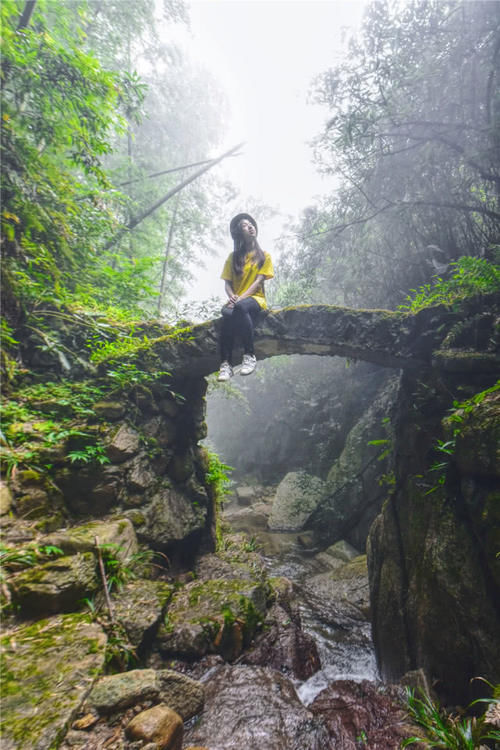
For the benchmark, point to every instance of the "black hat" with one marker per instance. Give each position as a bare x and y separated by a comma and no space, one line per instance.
233,226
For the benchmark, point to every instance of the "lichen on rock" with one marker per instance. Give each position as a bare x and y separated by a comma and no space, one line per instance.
48,668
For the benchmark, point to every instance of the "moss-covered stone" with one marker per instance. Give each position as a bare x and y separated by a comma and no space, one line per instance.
112,410
138,606
212,617
55,586
117,534
48,668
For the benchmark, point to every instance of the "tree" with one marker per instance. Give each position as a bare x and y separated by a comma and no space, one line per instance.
413,137
59,110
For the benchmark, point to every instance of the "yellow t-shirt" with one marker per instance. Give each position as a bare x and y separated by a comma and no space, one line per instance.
250,272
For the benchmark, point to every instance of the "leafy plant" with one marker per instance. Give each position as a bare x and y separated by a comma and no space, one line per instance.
470,276
444,731
13,559
88,454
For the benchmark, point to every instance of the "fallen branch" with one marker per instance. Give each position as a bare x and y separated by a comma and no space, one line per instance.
104,579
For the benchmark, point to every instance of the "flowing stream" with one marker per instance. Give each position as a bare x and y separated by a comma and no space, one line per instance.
342,633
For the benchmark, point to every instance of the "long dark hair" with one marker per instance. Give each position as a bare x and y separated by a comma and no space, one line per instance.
240,251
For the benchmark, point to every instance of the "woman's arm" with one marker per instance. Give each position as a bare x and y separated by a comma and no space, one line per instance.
230,293
259,280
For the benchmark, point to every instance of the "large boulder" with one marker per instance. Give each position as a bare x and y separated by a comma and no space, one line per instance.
432,553
49,668
116,534
257,708
117,692
297,497
56,586
284,646
362,714
171,517
212,617
355,487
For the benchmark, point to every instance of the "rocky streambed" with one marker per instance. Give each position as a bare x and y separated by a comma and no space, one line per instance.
264,644
313,682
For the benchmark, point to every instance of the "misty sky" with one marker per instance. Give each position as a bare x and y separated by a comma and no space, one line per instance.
265,54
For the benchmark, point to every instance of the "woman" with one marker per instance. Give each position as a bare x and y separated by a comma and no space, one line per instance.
244,273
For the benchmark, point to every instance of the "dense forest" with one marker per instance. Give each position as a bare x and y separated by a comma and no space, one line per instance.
115,556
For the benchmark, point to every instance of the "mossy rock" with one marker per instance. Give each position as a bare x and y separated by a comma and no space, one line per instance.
117,533
139,605
112,410
56,586
47,670
213,617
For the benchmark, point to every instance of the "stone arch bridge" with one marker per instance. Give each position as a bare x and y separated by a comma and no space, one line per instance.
463,341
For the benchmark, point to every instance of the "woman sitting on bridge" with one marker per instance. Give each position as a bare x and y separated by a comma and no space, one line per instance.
244,274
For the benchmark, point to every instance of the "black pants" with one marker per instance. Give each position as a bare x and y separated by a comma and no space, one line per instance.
238,321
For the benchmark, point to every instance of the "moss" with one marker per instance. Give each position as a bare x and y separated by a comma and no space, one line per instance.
44,677
30,476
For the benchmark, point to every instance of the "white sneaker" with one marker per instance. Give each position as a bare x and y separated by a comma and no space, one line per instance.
249,364
225,372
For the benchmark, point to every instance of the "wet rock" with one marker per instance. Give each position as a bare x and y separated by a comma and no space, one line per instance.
297,496
158,724
124,444
362,714
49,668
212,617
341,594
182,694
337,554
256,708
342,550
245,495
284,646
118,691
138,606
5,498
118,533
55,586
170,517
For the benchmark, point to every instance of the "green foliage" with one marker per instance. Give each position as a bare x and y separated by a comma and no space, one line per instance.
44,416
119,569
60,108
89,454
446,448
217,475
414,154
13,559
444,731
469,276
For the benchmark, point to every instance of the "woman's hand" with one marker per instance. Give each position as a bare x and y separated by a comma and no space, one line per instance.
232,300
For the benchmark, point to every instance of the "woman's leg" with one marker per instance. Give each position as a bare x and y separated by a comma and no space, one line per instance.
245,315
227,335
